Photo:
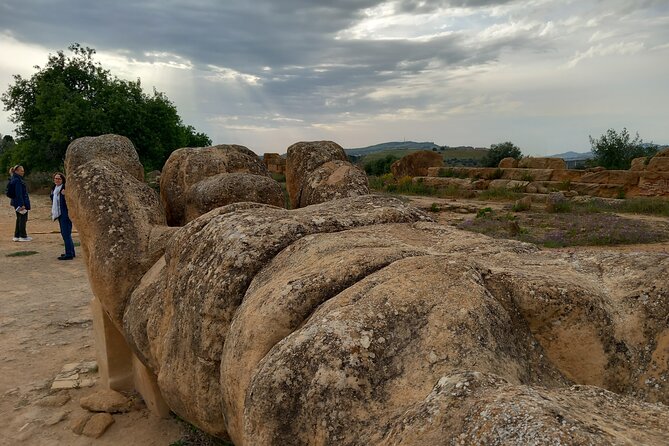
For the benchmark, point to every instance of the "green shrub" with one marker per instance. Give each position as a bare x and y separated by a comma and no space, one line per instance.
380,166
636,205
527,177
279,177
452,173
564,185
483,213
499,194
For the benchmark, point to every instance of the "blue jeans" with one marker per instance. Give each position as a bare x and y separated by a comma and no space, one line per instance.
66,231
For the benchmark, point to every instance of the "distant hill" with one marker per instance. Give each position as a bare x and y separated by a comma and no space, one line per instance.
396,145
573,155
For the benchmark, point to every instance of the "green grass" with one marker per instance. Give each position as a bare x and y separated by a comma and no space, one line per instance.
637,205
22,253
500,194
281,178
566,229
452,173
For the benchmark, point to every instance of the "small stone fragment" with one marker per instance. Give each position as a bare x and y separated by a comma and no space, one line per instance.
55,418
56,400
78,422
106,400
97,425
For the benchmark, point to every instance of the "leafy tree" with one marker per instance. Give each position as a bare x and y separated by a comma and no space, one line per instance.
616,151
6,142
500,151
74,96
380,166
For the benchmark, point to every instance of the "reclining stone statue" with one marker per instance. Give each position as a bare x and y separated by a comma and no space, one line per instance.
360,321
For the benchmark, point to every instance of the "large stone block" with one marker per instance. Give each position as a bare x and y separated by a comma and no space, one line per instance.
188,166
617,177
527,174
541,163
302,159
416,164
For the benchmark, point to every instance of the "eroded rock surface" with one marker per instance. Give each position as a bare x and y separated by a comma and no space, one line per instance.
319,171
333,180
360,321
227,188
188,166
416,164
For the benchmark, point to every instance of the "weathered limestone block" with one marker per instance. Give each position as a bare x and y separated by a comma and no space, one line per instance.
519,415
445,182
660,162
275,163
620,177
97,425
188,166
360,321
416,164
508,163
302,159
653,184
333,180
509,184
498,184
226,188
115,214
541,163
598,189
639,163
106,400
181,334
468,172
527,174
561,175
116,149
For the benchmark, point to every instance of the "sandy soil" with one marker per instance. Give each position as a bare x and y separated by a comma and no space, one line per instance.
45,323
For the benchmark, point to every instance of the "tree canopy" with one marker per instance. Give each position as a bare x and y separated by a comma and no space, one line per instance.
500,151
73,97
616,151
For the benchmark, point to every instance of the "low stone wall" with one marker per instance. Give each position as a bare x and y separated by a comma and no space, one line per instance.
600,183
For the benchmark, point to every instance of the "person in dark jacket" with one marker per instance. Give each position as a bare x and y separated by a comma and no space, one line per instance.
20,202
59,212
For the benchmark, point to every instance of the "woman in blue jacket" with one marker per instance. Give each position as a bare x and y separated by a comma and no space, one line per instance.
59,212
20,202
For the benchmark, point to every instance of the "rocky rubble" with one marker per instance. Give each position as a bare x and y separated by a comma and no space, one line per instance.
360,321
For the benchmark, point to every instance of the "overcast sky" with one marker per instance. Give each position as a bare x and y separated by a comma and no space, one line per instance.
543,74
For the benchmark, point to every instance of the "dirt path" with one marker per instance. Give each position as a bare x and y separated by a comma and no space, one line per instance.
45,323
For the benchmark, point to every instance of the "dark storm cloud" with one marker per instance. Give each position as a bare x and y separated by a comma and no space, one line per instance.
245,36
296,38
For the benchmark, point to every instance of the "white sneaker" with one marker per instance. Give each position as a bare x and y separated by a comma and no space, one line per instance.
15,239
25,239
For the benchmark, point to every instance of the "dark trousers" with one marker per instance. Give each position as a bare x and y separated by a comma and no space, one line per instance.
66,231
20,229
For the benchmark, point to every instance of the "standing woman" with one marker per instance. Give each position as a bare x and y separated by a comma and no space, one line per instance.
59,212
20,202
